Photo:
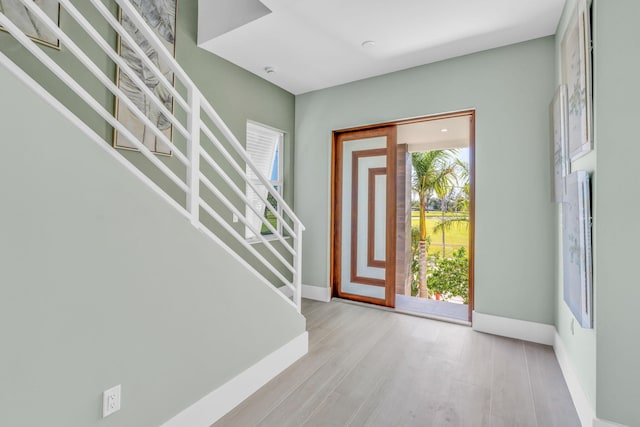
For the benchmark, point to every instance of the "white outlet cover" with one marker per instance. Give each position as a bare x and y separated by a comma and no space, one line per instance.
111,400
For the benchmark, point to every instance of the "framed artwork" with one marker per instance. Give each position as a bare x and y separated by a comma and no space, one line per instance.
29,24
161,17
560,157
576,248
575,53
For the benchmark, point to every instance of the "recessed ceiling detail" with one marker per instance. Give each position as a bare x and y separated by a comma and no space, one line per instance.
368,44
319,43
428,135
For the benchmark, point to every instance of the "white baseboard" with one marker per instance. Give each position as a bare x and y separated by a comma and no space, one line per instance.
603,423
318,293
513,328
586,413
219,402
544,334
287,292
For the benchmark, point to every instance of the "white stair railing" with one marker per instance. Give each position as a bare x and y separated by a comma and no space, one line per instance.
211,172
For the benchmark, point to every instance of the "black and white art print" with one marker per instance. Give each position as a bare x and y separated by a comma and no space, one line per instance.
24,19
576,248
575,54
160,15
560,157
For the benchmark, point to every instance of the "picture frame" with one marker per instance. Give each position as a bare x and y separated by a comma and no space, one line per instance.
29,24
575,55
560,164
576,248
165,29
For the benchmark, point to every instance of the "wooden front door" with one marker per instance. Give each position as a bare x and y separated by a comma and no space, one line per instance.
364,215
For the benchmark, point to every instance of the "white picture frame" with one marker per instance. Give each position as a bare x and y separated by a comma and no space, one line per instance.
575,54
560,164
576,248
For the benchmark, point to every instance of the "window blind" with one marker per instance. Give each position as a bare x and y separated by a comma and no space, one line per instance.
262,144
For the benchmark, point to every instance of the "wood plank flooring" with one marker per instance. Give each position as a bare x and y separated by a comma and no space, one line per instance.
369,367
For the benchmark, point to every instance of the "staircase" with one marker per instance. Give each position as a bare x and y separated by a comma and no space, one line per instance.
208,175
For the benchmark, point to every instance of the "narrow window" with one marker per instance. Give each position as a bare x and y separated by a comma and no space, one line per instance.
264,147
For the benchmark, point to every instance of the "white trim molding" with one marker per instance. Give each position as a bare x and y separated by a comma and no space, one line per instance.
286,291
513,328
219,402
586,413
597,422
544,334
318,293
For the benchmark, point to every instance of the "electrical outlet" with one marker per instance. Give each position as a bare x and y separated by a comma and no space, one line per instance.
235,218
111,400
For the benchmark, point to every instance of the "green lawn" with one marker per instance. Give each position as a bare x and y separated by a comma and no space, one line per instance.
436,214
457,236
272,220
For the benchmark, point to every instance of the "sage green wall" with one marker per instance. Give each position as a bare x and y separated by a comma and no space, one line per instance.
605,358
236,94
580,345
102,283
510,88
617,90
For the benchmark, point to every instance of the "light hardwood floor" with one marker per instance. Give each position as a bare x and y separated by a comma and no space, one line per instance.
369,367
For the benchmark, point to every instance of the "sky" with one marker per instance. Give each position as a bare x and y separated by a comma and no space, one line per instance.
463,154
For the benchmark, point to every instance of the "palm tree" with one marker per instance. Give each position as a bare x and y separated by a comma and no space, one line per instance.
462,205
443,193
434,171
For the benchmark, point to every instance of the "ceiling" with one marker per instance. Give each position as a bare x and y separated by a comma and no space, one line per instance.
440,134
314,44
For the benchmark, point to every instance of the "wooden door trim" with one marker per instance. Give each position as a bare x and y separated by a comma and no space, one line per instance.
369,127
336,213
355,166
336,193
391,237
371,219
472,210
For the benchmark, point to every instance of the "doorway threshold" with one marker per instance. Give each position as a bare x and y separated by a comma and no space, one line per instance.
441,315
432,307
